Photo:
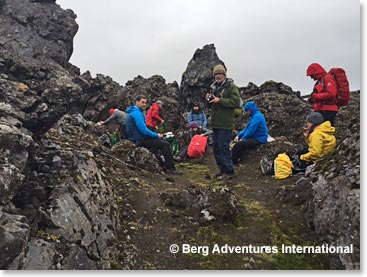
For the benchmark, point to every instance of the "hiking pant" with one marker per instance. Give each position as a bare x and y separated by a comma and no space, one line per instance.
183,152
242,147
123,134
154,144
298,164
222,152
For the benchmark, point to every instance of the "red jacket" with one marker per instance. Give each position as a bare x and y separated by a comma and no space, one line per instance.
325,90
153,117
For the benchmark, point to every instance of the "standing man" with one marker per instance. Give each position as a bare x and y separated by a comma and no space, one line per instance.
139,133
254,134
153,115
224,97
323,97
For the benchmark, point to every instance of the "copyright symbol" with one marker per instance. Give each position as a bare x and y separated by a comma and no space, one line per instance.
174,248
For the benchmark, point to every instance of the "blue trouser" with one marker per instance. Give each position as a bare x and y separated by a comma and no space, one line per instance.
222,152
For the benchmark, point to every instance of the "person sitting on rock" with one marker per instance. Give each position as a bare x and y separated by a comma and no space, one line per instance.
320,139
119,117
139,133
153,117
197,115
195,130
254,134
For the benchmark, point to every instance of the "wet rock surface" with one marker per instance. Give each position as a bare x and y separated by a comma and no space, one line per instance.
68,200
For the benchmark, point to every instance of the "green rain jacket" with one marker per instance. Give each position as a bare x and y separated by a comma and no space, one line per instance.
223,112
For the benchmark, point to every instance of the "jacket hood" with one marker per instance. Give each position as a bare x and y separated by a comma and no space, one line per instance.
250,106
132,108
226,82
315,69
326,127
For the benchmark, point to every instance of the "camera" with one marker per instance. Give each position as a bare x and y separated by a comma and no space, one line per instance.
210,98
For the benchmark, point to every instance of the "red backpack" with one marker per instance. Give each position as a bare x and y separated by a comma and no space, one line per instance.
343,93
197,146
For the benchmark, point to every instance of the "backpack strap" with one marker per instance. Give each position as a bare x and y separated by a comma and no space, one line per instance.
331,101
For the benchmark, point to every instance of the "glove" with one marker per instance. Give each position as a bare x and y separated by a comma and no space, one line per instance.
310,99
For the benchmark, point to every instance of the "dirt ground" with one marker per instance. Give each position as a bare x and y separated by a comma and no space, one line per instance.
268,217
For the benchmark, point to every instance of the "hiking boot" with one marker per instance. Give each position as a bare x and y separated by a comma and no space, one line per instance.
226,176
266,166
173,171
177,158
229,176
218,174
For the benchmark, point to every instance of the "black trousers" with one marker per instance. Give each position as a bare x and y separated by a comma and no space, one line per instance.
154,144
329,115
242,147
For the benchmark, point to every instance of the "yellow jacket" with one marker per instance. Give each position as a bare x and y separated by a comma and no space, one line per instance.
320,142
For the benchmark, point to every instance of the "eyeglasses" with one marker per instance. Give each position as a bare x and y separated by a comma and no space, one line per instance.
218,74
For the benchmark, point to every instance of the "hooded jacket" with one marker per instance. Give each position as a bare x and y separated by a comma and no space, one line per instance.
119,116
320,142
136,128
256,128
199,117
224,111
153,117
324,91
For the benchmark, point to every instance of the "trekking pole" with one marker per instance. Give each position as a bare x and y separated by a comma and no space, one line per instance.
106,154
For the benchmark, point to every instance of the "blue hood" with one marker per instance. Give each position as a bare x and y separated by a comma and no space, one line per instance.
250,106
136,127
132,108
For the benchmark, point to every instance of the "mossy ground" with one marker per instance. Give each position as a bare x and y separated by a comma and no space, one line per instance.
149,227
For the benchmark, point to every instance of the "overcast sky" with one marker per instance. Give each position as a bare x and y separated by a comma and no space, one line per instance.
258,40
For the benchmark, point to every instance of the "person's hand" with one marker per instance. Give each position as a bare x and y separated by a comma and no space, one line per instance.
160,136
310,99
100,123
215,100
236,139
162,121
306,132
200,127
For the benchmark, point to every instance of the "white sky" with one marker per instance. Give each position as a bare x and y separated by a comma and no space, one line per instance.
258,40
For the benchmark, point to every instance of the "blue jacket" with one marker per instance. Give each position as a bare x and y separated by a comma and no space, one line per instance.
136,127
256,128
198,117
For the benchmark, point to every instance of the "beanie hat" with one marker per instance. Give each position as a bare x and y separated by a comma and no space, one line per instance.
219,69
194,125
112,111
159,102
196,104
315,118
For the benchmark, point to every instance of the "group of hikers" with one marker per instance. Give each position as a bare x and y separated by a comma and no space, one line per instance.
224,99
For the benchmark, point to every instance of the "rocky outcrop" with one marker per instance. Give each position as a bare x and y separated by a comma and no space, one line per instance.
36,36
198,76
333,207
